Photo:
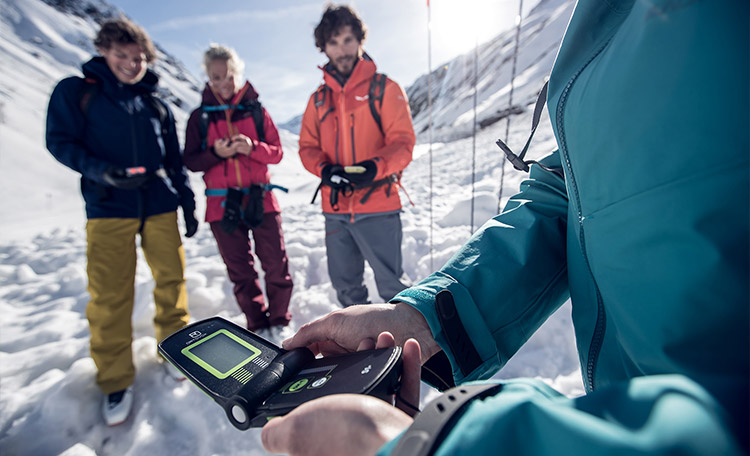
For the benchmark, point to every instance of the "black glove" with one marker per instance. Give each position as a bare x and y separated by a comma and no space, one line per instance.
191,223
334,177
232,210
366,176
126,178
253,213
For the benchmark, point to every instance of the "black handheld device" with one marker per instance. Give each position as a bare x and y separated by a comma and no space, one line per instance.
254,380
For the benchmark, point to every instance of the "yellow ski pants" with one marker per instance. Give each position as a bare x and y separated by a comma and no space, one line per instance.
111,254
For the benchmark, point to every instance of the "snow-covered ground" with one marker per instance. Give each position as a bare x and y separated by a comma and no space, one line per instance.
49,403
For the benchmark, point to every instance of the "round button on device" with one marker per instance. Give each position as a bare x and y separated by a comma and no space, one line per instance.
239,414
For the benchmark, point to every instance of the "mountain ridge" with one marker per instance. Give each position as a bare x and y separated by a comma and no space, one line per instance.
453,82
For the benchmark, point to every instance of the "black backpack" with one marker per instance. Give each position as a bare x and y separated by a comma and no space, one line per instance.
375,95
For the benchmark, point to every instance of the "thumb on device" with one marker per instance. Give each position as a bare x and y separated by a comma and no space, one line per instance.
407,398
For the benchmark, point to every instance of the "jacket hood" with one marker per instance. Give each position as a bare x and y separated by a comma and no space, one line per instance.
363,70
246,93
97,68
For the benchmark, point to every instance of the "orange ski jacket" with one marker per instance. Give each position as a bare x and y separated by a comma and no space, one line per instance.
340,129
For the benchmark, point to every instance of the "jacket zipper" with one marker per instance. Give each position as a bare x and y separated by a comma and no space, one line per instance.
600,327
354,160
341,117
354,154
336,123
228,114
134,143
237,172
341,120
131,110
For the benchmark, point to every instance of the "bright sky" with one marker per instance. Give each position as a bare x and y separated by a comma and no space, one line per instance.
275,37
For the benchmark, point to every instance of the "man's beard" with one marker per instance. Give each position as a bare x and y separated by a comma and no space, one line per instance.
345,65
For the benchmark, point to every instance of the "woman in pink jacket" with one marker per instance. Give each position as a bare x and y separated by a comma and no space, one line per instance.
232,140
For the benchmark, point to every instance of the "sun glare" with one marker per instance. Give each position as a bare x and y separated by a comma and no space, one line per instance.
458,25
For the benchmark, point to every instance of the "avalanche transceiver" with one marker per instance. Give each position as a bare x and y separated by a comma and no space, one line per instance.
254,380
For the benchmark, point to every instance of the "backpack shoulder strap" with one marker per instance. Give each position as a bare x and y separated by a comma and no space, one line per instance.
256,109
377,89
320,101
158,107
89,90
203,122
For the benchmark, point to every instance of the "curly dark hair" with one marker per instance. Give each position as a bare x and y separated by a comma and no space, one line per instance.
334,18
124,31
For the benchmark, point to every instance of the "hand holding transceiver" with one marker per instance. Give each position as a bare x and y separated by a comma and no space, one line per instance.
254,381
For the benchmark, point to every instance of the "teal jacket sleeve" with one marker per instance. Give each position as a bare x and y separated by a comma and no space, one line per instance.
667,414
508,278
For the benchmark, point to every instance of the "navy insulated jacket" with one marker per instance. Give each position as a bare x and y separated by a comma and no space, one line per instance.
120,129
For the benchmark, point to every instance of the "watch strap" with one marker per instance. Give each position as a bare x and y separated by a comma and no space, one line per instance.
430,426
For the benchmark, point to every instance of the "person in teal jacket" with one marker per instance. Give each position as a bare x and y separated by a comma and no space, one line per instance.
647,234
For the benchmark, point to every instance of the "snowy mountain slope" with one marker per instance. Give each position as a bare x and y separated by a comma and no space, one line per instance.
293,125
49,403
453,83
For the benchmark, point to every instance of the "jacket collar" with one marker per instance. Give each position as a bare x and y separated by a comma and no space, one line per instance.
97,68
246,93
364,69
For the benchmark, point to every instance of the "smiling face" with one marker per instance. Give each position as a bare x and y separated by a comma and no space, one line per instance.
221,79
343,49
126,61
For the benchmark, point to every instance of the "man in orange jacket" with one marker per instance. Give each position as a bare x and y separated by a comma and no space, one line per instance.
357,136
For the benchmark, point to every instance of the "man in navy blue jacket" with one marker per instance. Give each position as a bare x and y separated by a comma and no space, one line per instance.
111,129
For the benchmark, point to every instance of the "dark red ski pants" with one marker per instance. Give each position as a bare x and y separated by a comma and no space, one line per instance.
235,249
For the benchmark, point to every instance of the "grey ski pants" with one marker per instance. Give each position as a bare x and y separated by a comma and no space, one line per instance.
376,239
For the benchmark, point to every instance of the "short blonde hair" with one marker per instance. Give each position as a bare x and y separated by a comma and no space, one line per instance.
235,65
